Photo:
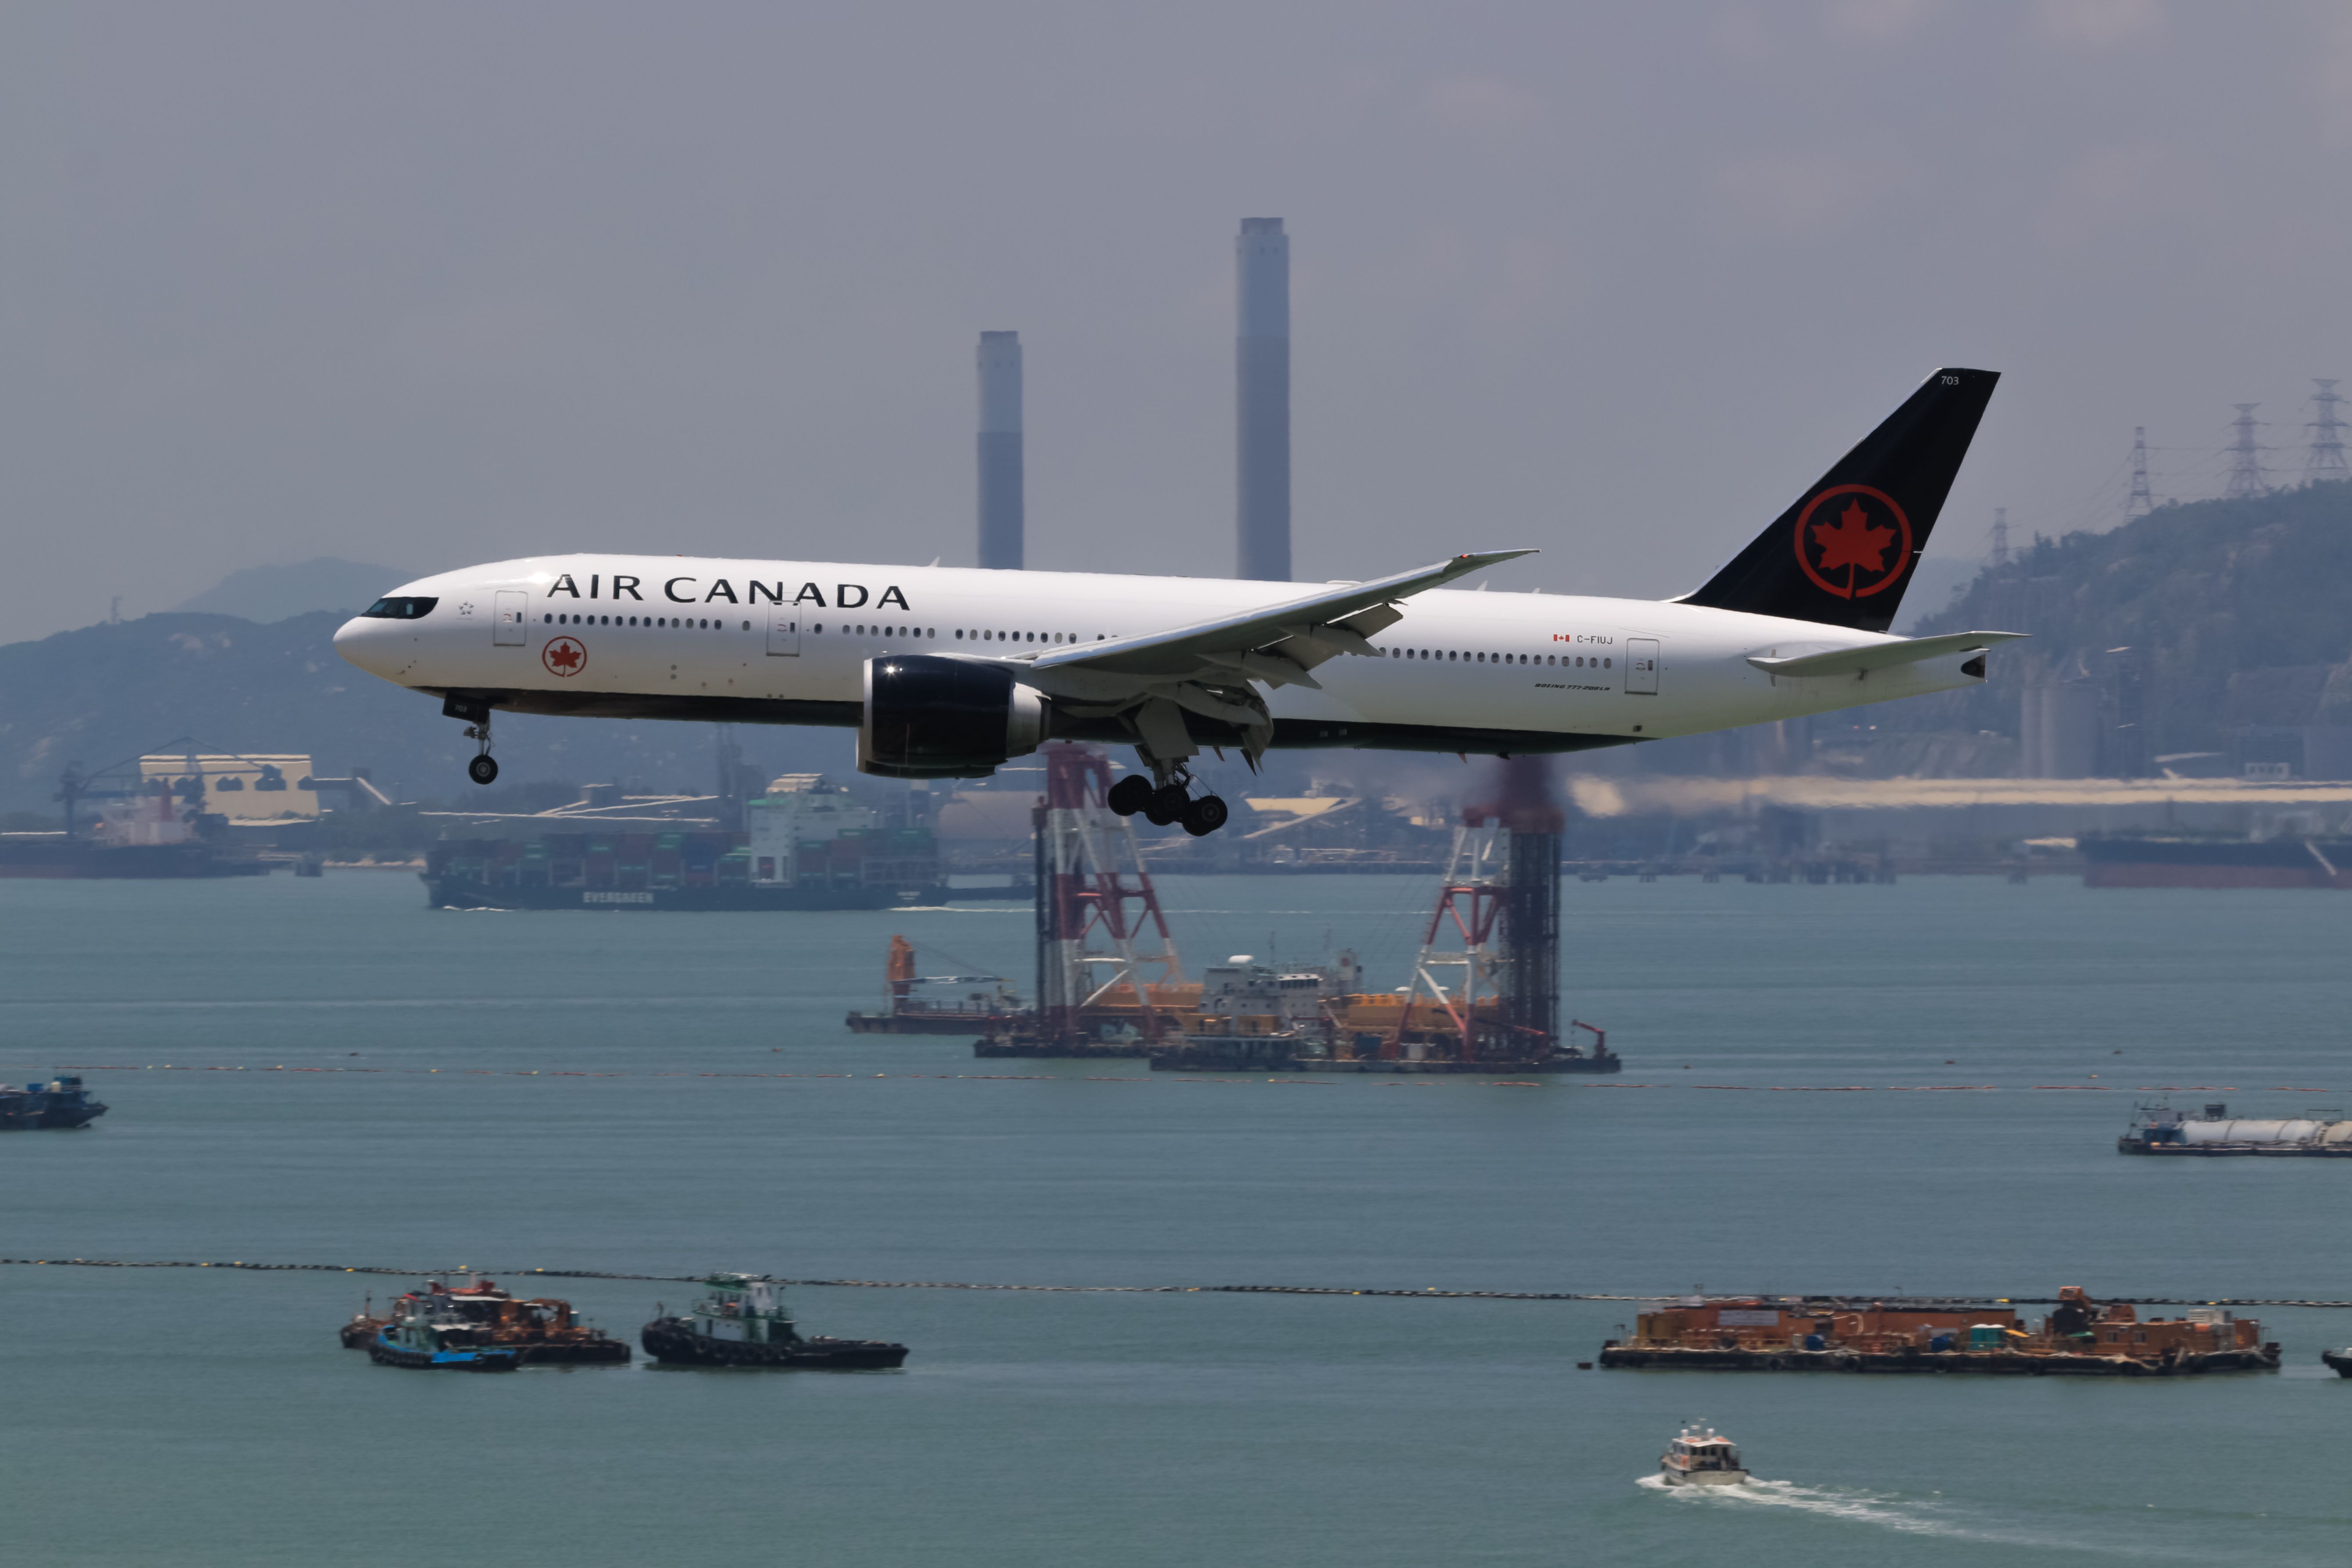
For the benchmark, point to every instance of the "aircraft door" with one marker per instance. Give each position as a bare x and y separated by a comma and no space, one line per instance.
784,632
509,629
1642,666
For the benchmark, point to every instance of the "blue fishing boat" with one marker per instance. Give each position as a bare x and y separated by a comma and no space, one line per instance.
427,1332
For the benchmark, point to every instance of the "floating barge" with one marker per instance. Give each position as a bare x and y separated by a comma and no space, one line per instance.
2161,1131
2081,1337
976,1011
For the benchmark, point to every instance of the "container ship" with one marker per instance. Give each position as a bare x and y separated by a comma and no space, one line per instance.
2188,862
809,845
2080,1337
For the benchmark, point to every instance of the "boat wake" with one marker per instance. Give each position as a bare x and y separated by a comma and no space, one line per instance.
1908,1516
1911,1518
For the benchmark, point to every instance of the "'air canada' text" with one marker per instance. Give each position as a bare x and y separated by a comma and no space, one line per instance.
688,590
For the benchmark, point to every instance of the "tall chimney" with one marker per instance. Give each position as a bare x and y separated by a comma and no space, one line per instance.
1262,407
1001,505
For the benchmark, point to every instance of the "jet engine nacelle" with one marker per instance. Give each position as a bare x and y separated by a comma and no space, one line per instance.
930,716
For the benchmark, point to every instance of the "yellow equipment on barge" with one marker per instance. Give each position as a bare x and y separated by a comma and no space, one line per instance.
2080,1337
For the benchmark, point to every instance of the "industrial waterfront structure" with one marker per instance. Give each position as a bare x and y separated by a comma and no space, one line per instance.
1262,401
1003,481
1109,981
1091,883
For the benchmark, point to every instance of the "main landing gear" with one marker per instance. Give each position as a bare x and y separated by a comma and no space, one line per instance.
1172,802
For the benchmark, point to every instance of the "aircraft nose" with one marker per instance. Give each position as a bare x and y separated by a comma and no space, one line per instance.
351,641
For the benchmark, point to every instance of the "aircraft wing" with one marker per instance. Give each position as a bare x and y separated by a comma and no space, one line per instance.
1883,654
1278,644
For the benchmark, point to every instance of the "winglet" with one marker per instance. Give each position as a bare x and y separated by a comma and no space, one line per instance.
1472,560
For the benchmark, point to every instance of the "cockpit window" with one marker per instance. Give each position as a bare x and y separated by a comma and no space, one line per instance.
400,609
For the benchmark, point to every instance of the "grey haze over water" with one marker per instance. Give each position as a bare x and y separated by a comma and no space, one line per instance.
436,283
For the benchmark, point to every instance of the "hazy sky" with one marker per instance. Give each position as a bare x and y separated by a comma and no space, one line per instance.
433,284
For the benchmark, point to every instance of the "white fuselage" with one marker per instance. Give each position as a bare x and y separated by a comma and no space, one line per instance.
624,633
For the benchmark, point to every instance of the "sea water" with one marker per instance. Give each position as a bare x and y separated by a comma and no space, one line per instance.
1869,1090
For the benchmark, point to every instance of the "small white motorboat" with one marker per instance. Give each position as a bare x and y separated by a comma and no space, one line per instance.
1702,1457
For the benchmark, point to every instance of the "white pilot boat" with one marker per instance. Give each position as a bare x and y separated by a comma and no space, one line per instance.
1702,1458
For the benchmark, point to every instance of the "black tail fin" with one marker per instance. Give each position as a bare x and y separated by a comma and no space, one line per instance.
1843,554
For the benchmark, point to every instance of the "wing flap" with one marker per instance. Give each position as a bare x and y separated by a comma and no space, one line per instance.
1324,624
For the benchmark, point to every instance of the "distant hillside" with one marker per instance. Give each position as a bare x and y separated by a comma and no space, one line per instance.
2215,618
105,692
274,592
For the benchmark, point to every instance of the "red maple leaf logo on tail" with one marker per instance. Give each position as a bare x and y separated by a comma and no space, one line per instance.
1852,541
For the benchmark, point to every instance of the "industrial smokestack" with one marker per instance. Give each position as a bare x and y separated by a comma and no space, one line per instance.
1261,406
1001,483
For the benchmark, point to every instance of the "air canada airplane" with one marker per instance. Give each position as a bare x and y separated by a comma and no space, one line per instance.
946,672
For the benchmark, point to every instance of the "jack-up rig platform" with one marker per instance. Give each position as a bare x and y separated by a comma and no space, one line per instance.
1483,996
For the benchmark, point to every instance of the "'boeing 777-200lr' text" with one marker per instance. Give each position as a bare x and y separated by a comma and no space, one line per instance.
948,672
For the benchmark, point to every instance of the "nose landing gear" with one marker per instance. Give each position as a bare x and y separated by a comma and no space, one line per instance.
476,712
1168,800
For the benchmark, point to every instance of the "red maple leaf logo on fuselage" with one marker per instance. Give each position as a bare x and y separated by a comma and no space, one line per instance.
1852,541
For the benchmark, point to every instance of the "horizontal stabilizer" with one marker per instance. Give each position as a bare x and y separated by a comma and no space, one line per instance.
1883,655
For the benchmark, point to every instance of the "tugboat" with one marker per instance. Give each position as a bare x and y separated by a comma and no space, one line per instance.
743,1322
62,1102
1702,1458
540,1332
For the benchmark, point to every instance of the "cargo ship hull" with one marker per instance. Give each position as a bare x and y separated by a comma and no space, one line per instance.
61,860
2217,863
447,893
2226,1150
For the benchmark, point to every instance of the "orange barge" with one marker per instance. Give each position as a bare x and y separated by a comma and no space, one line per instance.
2080,1337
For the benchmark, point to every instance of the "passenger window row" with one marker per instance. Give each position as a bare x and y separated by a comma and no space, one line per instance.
676,621
1559,660
1024,637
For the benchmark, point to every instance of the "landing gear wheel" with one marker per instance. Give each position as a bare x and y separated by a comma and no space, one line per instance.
483,769
1129,796
1168,804
1204,815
